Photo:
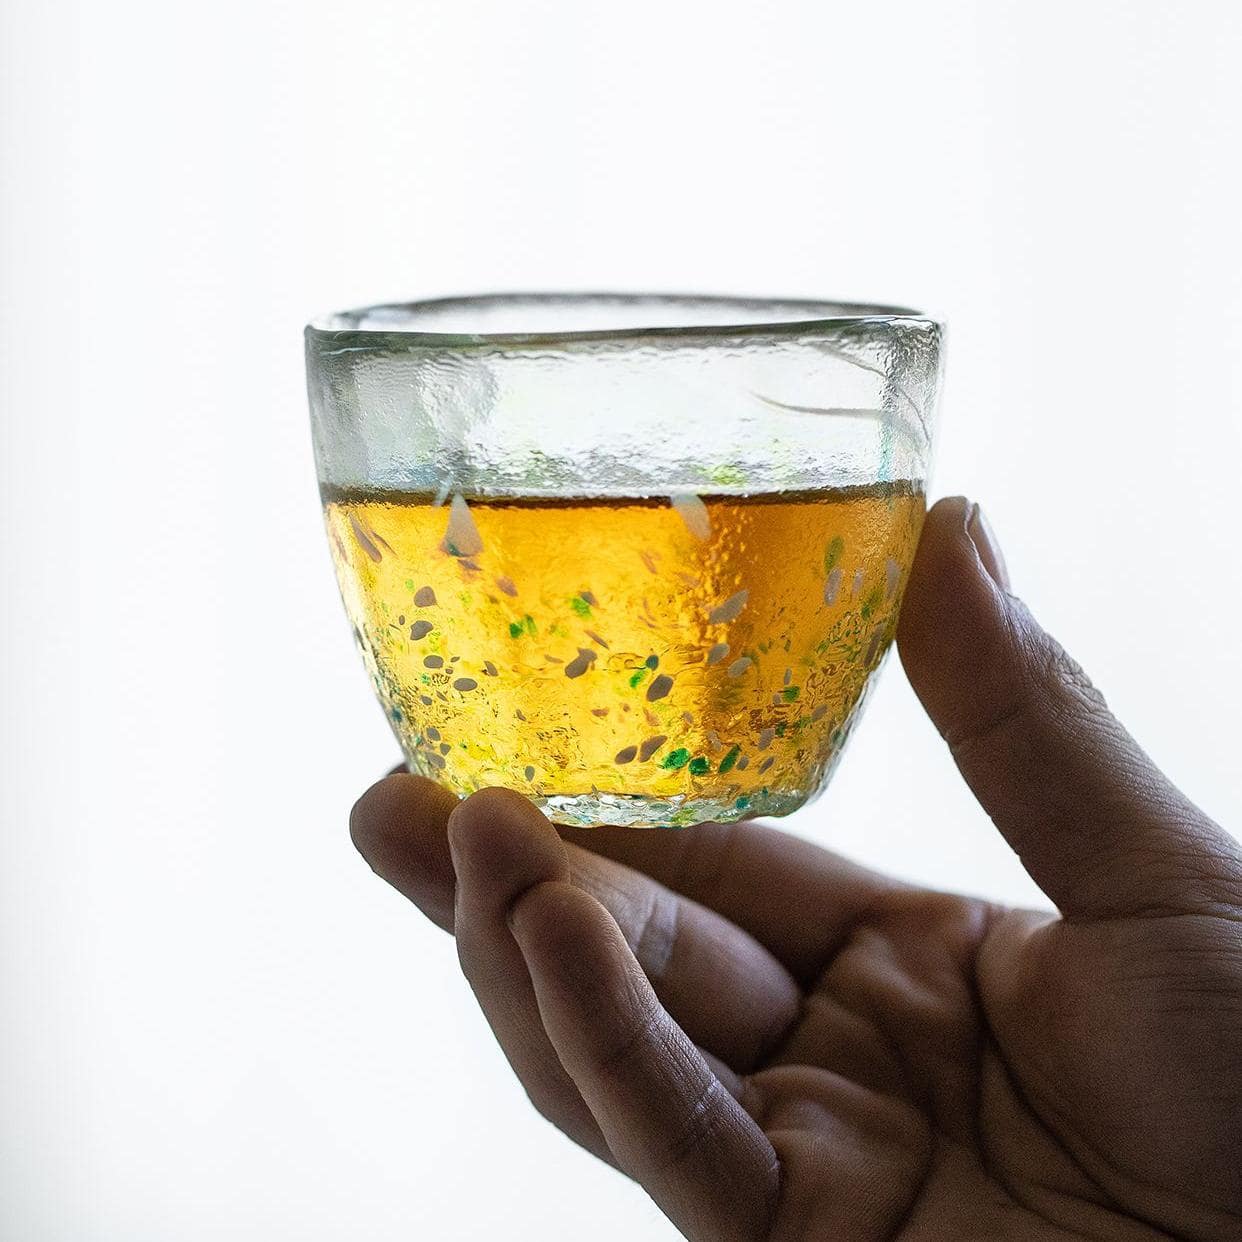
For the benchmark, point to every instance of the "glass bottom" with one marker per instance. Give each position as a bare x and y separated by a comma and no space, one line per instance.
640,811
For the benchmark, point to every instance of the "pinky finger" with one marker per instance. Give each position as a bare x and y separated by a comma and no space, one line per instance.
668,1119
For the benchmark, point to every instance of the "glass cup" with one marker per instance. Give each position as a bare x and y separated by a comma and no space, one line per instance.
637,557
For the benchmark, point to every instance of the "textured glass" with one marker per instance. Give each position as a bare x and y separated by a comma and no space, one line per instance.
635,557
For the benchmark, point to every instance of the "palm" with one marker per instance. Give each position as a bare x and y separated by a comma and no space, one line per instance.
869,1079
969,1068
939,1054
883,1066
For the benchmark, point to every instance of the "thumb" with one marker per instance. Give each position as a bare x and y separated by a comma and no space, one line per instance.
1097,825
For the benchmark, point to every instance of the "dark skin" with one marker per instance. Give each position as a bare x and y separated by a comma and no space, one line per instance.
780,1045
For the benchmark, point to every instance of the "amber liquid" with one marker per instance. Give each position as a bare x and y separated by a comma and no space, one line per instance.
626,660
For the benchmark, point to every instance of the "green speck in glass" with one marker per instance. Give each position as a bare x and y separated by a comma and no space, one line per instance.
742,803
580,606
700,765
676,759
832,553
790,694
871,603
515,629
409,584
726,764
727,476
780,728
638,675
528,623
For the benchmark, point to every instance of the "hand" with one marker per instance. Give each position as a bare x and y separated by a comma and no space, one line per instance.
781,1045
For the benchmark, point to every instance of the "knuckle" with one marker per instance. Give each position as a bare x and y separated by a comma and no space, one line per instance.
614,1061
1060,671
698,1127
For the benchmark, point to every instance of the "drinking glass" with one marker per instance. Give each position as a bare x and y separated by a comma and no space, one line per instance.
637,557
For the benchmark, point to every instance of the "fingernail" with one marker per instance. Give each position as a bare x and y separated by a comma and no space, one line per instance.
984,538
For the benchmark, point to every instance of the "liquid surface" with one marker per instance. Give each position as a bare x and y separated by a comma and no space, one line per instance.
646,661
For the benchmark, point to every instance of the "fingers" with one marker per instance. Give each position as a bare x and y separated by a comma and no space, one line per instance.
727,991
665,1115
501,846
796,899
399,827
1095,822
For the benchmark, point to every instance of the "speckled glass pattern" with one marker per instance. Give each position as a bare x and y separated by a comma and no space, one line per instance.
635,557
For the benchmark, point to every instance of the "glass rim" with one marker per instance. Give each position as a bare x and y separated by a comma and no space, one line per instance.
819,316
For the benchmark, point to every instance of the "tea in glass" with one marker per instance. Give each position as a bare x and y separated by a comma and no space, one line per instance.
616,653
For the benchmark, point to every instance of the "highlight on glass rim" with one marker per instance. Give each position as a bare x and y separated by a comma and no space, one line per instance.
636,557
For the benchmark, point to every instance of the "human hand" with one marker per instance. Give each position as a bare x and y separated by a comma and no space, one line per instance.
778,1044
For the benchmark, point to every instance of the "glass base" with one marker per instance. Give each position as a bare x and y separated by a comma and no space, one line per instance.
638,811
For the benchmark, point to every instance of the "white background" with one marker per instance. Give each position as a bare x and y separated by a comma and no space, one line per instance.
217,1023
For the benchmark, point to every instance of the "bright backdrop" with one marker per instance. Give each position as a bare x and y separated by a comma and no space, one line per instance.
217,1023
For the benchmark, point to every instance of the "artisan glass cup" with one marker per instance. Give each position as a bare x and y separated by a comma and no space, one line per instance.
636,557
